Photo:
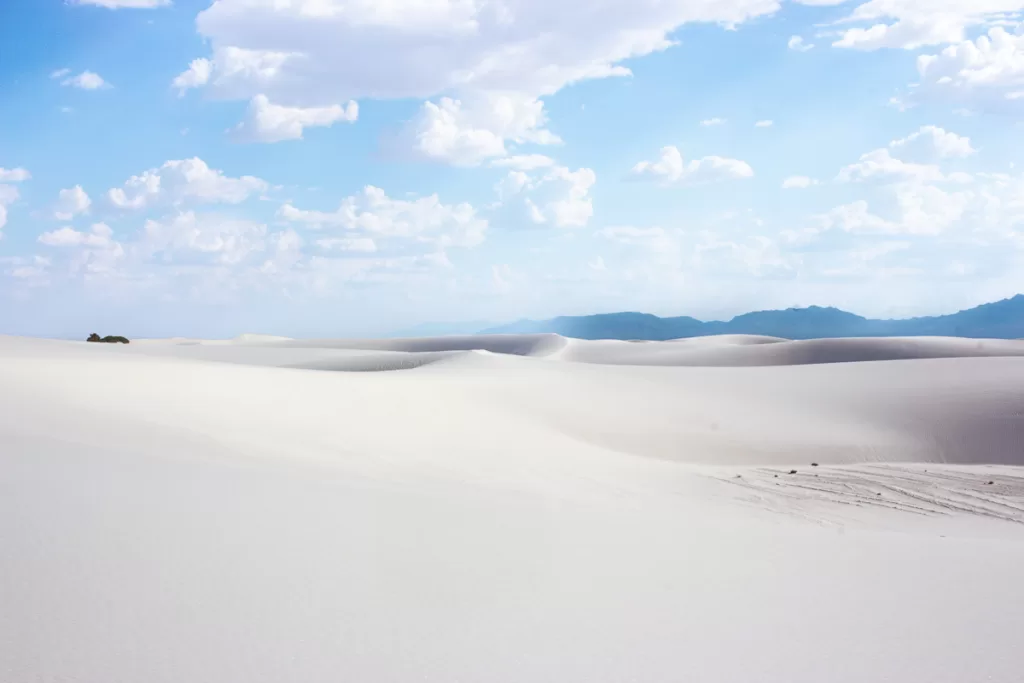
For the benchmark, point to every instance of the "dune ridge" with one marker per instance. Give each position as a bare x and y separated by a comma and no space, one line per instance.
528,508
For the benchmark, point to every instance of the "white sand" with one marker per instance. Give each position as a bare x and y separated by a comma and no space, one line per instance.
511,509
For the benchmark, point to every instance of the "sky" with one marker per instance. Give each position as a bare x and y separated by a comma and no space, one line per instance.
357,167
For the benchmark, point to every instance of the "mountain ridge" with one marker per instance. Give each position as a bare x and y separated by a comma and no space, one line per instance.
996,320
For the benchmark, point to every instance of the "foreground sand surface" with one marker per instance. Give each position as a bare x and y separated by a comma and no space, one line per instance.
512,509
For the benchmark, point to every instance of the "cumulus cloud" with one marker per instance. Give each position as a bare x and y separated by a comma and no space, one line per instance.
420,49
797,43
712,122
197,75
237,73
798,182
765,123
670,169
916,160
754,255
987,73
98,236
8,195
911,24
512,184
225,241
87,80
932,141
880,164
470,51
364,245
24,268
373,214
70,203
468,133
180,181
919,209
268,122
567,202
907,34
93,252
524,162
655,239
14,175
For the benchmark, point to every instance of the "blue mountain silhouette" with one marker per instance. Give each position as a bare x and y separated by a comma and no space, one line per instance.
999,320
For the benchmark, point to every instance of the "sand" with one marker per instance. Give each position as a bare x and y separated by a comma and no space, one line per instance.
511,508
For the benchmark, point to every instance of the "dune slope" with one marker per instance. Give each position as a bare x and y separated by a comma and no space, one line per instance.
509,509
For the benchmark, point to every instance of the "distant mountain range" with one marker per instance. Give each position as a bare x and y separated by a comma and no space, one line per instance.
999,320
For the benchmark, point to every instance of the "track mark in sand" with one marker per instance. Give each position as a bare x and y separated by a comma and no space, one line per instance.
823,494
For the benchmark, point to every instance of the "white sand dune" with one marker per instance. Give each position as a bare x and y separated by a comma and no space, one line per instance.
520,508
725,352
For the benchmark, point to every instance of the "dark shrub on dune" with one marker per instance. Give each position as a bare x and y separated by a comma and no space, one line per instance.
109,339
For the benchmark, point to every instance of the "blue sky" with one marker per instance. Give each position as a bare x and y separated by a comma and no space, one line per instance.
355,167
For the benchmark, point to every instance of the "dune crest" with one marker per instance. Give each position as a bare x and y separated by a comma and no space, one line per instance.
510,510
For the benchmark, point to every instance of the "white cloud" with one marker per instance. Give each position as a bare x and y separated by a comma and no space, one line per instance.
100,235
766,123
59,73
421,49
372,213
93,252
909,35
569,204
512,184
70,203
654,239
226,241
183,180
929,210
985,72
755,255
13,175
797,43
24,268
798,182
534,212
911,24
329,51
8,195
466,134
87,80
197,75
524,162
712,122
268,122
934,141
286,253
671,169
364,245
927,144
117,4
855,217
880,164
920,209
